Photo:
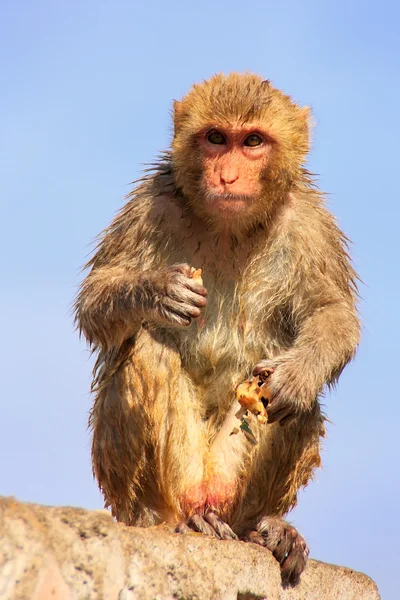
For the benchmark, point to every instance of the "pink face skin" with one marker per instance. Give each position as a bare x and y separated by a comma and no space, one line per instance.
233,159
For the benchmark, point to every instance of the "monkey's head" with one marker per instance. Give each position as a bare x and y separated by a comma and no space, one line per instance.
239,146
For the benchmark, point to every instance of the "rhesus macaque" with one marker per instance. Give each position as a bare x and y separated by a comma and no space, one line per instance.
232,197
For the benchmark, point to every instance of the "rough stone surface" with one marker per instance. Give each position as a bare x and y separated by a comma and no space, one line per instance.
71,554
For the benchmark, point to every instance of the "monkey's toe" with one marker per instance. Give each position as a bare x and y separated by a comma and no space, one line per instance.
223,530
286,544
209,524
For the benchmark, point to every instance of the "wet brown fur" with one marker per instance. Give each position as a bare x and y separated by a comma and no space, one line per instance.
280,286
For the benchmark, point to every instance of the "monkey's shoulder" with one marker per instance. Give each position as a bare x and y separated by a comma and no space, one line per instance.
308,244
157,201
309,224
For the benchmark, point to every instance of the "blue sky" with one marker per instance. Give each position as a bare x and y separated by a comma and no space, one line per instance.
86,92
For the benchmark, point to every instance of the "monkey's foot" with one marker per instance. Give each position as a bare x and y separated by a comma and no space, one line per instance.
286,545
209,524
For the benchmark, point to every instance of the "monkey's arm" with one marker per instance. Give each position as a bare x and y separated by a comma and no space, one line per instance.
326,342
114,300
104,310
323,314
130,280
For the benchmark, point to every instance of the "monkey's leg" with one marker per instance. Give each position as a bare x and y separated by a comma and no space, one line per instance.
148,438
285,543
225,465
282,462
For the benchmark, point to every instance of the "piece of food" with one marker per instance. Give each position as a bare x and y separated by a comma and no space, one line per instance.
196,274
248,395
254,395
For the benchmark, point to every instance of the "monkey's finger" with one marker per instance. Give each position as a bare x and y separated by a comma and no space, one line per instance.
276,417
195,286
263,366
186,295
255,538
265,392
167,315
288,420
279,412
191,284
195,299
182,528
183,268
183,294
191,311
181,309
183,275
223,529
283,547
295,562
197,523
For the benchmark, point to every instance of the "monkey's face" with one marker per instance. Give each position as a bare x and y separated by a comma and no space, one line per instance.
233,159
238,146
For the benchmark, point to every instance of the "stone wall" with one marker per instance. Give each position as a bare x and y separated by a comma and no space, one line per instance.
72,554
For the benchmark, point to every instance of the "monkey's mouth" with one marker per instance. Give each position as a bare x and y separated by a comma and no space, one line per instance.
228,202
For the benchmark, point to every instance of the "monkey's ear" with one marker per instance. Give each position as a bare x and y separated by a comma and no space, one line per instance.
306,118
305,114
178,115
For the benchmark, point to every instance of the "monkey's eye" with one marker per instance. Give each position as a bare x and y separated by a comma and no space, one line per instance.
216,137
253,140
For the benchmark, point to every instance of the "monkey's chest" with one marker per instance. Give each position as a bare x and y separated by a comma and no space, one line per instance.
223,339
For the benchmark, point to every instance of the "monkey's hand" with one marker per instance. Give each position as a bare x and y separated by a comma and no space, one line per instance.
171,296
287,385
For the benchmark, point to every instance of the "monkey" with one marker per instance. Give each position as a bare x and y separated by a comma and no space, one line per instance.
233,197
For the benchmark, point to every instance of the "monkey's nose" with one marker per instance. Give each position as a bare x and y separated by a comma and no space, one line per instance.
229,178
